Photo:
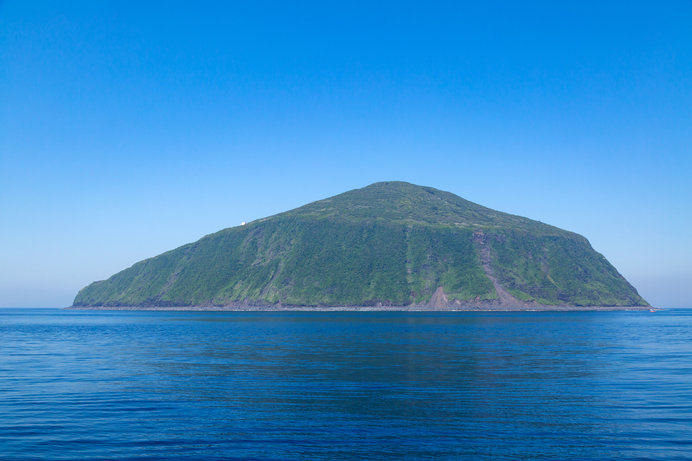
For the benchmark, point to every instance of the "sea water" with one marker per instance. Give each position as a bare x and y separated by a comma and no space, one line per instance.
104,385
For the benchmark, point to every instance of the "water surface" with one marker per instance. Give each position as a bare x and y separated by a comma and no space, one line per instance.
345,385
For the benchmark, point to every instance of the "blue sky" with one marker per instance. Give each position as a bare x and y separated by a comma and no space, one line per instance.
127,130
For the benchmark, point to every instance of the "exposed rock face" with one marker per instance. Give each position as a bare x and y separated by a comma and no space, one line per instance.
439,300
388,244
504,298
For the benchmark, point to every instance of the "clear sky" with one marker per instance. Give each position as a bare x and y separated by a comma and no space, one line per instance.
130,128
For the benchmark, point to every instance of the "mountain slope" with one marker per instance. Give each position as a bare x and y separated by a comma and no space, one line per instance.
390,243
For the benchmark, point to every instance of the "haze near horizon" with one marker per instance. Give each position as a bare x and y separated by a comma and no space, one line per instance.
127,130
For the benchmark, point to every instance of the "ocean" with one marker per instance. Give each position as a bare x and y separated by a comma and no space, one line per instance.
136,385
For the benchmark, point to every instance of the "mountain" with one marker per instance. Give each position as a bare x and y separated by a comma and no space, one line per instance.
387,244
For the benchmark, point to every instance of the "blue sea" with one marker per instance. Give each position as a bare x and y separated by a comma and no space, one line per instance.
100,385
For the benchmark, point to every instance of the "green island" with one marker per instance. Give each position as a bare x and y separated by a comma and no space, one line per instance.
389,245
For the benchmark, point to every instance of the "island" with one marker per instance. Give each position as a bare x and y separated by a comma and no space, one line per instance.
387,246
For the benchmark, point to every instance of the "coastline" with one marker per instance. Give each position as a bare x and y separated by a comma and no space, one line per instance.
361,308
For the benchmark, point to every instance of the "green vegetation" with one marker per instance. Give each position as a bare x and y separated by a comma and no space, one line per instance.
561,269
392,243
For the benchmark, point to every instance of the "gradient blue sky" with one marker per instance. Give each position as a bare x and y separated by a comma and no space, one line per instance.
130,128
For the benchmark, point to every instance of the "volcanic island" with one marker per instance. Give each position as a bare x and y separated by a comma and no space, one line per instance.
388,246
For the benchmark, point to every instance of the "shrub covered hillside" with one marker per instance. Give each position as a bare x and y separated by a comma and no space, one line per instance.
390,243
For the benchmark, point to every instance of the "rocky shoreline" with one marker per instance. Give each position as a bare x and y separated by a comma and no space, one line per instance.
439,302
362,308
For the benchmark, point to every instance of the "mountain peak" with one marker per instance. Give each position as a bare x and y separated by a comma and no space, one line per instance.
403,202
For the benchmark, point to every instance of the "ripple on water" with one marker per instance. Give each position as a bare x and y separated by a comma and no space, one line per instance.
360,385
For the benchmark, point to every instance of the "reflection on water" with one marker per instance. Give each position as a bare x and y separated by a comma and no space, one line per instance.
361,385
